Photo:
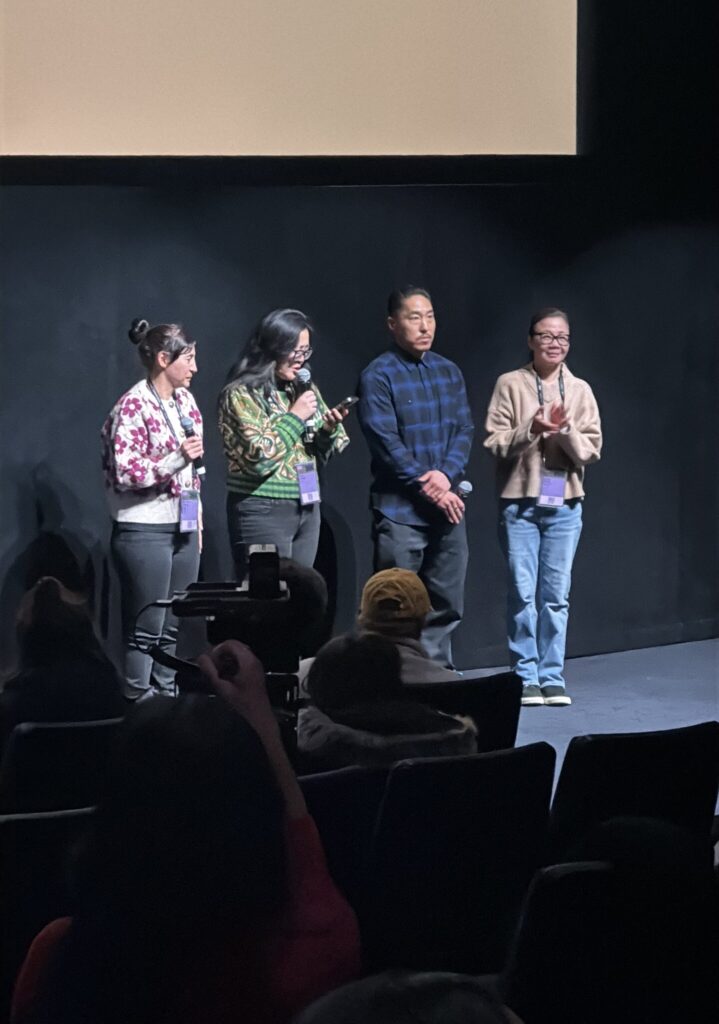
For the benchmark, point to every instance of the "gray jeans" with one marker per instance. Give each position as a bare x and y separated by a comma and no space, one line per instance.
293,527
152,562
438,554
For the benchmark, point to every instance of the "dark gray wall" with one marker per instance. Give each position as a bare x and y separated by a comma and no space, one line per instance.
77,263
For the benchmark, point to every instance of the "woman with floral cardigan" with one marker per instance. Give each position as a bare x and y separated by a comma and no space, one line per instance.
150,440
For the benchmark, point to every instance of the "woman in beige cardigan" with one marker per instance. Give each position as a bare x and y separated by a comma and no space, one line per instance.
543,427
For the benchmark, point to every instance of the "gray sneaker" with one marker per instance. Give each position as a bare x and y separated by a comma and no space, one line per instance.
531,695
555,696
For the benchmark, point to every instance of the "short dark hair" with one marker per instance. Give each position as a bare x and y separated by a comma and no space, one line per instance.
403,995
398,296
543,313
170,338
351,670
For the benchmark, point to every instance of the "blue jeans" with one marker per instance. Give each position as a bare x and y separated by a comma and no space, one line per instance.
539,545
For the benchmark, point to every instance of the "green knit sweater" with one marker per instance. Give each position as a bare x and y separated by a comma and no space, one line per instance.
264,442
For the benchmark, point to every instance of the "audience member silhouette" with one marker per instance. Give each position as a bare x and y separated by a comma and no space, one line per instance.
359,713
395,604
407,997
308,600
63,673
202,894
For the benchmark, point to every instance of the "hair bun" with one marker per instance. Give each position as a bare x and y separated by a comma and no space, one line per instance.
138,330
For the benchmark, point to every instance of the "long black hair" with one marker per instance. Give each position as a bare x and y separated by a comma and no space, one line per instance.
272,340
186,858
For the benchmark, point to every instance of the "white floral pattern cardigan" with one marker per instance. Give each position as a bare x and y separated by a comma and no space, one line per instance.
141,459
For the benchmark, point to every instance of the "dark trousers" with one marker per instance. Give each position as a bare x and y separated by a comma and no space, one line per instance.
293,527
152,562
438,554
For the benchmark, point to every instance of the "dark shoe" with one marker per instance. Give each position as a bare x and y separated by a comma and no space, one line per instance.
555,696
531,696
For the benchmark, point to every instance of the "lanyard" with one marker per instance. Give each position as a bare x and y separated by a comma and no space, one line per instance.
168,421
540,389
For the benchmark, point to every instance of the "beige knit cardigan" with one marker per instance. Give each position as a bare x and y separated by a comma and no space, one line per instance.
512,408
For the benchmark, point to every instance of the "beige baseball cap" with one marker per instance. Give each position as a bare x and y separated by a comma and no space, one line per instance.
394,594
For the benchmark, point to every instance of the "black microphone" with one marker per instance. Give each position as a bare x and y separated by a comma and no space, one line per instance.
464,488
303,383
189,427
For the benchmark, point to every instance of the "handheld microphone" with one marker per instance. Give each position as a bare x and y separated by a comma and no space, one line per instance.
464,489
303,382
189,427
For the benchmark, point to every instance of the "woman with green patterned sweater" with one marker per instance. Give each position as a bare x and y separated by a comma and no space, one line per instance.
275,430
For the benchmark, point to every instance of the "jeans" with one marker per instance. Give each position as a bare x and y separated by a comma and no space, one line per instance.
152,562
438,554
539,545
293,527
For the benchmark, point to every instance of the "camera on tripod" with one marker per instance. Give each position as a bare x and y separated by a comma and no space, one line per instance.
259,612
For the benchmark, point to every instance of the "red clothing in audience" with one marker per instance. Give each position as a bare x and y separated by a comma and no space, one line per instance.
315,949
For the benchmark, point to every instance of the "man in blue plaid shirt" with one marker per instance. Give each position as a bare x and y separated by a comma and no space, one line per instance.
415,416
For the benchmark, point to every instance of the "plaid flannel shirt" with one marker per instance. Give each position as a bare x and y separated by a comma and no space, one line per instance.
415,417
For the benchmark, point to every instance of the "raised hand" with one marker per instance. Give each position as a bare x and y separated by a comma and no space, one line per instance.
237,676
542,423
305,406
334,416
558,416
550,421
192,448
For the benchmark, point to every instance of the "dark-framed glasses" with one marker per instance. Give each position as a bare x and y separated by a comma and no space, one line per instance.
547,339
300,355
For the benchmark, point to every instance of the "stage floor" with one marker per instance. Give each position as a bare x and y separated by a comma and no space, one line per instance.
630,691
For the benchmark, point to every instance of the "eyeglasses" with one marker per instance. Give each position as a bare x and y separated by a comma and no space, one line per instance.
547,339
300,355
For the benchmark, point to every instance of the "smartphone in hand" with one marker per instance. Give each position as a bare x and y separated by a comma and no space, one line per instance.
347,403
